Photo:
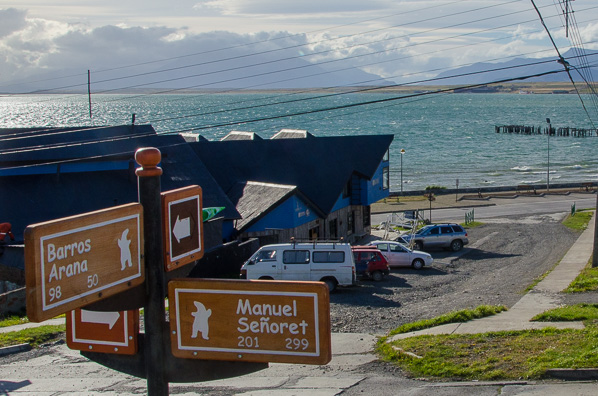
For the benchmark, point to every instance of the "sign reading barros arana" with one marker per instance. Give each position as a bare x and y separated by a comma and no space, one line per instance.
74,261
259,321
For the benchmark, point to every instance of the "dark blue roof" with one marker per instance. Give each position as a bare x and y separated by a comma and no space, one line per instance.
44,191
319,167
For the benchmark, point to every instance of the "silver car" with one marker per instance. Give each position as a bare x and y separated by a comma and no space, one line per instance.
399,255
451,236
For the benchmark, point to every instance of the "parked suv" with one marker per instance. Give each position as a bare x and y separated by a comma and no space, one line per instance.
328,262
370,263
451,236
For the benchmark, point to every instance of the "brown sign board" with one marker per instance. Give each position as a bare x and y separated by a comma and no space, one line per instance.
251,321
74,261
183,226
103,332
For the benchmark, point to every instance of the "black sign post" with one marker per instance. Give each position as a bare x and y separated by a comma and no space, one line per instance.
154,313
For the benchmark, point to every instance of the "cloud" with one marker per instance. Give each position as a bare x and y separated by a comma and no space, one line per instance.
278,7
11,20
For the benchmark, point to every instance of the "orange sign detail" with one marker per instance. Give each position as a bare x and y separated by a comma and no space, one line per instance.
105,332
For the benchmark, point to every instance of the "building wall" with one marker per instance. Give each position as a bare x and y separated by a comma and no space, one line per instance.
291,214
321,226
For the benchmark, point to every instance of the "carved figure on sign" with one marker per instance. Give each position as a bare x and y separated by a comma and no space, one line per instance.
200,323
125,250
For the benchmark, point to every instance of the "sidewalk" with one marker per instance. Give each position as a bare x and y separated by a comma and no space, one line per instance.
542,297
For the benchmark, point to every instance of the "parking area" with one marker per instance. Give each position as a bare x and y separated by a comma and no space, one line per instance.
495,268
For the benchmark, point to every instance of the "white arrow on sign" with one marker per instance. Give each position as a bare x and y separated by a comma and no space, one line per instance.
182,228
108,318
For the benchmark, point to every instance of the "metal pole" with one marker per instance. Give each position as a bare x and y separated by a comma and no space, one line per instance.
402,152
154,313
548,168
595,251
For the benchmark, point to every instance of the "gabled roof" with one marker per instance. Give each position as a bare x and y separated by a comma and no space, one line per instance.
88,185
319,167
241,135
254,199
292,134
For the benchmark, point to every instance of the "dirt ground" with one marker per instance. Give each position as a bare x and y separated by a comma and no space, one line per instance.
503,258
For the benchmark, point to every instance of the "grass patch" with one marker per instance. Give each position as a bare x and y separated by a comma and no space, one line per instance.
34,336
569,313
472,224
13,320
492,356
587,280
461,316
579,221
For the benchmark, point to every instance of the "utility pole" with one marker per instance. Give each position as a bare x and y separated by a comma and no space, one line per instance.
595,251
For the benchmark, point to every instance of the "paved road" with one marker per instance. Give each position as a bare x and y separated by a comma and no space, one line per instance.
501,207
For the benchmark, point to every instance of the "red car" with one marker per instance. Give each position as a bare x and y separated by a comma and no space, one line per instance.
370,263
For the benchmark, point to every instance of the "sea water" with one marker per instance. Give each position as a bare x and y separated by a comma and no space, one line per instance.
448,139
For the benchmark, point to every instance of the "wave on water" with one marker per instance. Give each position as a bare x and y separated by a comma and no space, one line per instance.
521,168
531,181
575,167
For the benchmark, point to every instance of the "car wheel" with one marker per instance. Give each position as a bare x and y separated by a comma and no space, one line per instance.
331,284
417,264
418,245
377,276
266,278
456,245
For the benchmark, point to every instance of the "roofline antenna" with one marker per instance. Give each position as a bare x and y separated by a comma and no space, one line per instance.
89,91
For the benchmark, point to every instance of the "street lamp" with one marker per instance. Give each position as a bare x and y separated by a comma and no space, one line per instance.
402,152
548,165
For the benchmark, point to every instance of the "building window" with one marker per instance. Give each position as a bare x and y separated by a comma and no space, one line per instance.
313,233
333,229
385,178
347,189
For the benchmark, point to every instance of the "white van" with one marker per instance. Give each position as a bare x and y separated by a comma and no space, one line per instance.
328,262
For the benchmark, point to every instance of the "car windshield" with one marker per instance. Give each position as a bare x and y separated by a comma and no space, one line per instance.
423,230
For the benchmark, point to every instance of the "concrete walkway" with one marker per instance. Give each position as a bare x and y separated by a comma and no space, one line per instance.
542,297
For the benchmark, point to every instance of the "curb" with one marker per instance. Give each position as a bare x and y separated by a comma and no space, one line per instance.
573,374
9,350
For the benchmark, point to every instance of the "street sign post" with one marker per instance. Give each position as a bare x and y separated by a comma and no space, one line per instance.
104,332
74,261
252,321
183,226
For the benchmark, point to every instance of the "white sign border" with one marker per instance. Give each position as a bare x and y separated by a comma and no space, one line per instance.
182,347
198,226
100,342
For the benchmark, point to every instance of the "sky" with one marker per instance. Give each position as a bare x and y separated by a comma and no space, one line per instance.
137,43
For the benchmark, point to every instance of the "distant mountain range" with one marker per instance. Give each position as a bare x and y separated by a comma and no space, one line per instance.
479,73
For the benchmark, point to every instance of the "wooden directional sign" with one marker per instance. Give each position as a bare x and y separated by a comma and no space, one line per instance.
254,321
74,261
105,332
183,226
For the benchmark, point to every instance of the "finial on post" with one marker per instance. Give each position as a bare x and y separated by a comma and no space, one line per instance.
148,158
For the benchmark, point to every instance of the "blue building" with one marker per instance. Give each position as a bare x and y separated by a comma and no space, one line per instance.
293,185
298,185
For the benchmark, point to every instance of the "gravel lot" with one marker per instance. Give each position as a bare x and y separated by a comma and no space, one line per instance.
504,256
